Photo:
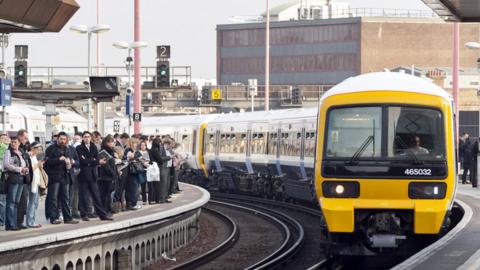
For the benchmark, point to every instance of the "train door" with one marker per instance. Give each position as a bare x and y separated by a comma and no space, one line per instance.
248,155
218,166
303,173
277,151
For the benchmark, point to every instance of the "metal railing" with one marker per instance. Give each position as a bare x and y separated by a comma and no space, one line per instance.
74,76
383,12
230,94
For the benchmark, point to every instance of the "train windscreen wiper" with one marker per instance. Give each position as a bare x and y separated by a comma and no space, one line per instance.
408,150
361,149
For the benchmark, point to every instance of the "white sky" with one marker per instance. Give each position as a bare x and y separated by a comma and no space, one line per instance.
187,25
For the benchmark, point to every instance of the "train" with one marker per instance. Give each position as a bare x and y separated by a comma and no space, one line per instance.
377,156
33,119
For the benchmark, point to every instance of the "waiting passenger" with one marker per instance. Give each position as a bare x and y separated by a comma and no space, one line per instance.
17,170
33,189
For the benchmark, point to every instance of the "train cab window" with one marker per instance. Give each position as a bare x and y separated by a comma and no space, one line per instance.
415,133
354,132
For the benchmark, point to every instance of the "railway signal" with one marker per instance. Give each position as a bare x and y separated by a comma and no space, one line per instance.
206,99
163,74
20,74
296,96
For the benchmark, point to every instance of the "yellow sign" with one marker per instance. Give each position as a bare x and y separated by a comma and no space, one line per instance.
56,120
216,94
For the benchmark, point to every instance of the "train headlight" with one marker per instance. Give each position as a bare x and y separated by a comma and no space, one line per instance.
424,190
341,189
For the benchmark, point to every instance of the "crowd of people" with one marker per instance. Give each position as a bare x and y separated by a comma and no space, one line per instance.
84,176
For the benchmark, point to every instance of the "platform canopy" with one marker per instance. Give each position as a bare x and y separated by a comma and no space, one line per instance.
18,16
456,10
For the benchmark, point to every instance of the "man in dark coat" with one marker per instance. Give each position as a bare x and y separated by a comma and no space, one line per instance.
87,179
159,155
474,167
73,177
57,166
467,150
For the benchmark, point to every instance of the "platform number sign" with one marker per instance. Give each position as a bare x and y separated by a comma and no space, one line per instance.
116,126
137,117
163,51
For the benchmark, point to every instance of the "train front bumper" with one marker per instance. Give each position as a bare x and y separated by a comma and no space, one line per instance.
428,215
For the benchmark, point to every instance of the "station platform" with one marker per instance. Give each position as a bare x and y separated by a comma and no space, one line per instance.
63,245
458,249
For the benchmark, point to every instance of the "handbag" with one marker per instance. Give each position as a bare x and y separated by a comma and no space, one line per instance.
153,172
136,167
42,188
3,183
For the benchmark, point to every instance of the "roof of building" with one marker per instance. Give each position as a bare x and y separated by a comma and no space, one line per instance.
455,10
35,15
387,81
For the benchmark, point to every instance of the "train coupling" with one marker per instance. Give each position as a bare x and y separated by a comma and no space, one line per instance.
386,240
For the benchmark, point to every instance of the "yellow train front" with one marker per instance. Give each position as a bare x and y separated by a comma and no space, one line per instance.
385,162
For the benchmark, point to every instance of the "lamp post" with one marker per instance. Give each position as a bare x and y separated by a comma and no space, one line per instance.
475,46
267,58
96,29
128,65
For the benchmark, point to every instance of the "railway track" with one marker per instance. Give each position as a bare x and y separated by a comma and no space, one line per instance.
291,232
307,254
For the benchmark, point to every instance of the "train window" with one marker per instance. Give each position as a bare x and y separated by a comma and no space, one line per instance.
211,143
243,142
415,131
353,132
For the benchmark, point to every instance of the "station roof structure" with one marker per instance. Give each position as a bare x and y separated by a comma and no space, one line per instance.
17,16
456,10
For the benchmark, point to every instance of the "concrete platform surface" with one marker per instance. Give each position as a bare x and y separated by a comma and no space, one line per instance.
191,197
460,248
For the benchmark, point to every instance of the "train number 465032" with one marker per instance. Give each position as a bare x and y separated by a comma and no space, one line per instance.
418,172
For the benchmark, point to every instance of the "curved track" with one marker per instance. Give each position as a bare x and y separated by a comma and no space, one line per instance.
309,252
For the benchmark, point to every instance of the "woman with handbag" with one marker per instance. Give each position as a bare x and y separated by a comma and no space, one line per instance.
143,157
34,188
131,192
107,172
16,168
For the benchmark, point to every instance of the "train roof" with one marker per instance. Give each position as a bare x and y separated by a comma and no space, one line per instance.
177,119
37,112
387,81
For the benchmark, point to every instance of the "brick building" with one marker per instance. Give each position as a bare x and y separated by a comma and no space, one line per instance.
320,52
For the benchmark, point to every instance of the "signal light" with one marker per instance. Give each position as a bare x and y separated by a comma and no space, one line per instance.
296,96
20,79
163,74
206,99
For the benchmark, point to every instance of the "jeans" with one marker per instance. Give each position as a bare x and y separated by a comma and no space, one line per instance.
33,199
74,195
58,195
3,204
13,198
131,192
